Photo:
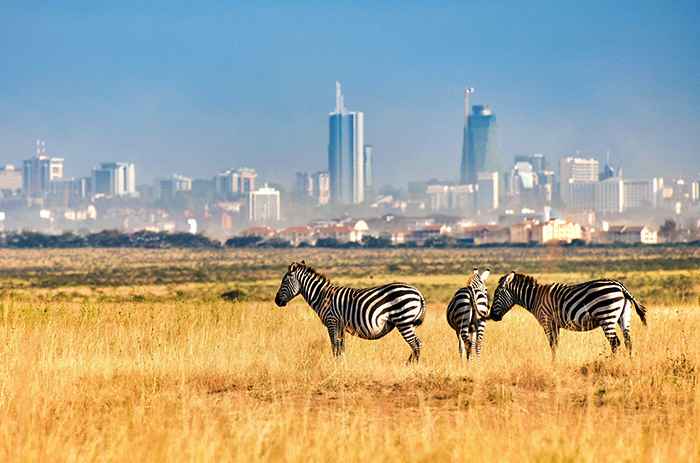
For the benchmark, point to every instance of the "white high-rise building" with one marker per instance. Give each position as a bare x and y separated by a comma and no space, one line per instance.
40,172
264,205
239,180
114,179
169,186
487,191
577,170
611,195
638,193
346,142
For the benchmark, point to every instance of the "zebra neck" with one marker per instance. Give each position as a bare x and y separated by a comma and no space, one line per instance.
525,296
314,290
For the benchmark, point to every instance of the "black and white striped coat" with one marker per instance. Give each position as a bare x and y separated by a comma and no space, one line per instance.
582,307
467,312
368,313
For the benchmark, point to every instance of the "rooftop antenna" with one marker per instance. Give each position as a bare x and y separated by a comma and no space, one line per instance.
607,158
339,103
467,92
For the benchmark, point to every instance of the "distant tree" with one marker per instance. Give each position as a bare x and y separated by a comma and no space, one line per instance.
373,242
109,239
328,243
275,243
669,230
243,241
441,241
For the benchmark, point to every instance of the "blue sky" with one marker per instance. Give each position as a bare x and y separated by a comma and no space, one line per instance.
196,87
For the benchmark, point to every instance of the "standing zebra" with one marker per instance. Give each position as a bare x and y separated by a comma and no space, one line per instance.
582,307
369,313
467,313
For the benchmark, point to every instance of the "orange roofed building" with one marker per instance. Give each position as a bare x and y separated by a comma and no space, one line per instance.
265,232
298,235
341,233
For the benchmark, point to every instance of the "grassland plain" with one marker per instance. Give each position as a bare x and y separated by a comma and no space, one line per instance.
130,355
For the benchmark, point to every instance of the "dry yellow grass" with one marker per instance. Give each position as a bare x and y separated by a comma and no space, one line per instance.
218,381
207,380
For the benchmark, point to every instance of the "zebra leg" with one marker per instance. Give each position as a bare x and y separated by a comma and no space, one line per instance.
467,342
472,341
335,335
611,334
461,344
409,335
552,332
479,338
341,347
624,322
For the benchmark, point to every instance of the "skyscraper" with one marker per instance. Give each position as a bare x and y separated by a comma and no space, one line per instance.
236,181
40,171
481,151
169,186
346,153
114,179
576,170
368,166
264,205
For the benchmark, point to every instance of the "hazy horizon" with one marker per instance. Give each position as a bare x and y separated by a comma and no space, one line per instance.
193,88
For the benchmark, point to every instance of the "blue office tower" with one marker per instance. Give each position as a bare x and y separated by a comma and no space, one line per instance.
346,153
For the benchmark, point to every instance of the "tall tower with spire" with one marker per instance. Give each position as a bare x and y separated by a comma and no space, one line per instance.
465,168
481,151
346,141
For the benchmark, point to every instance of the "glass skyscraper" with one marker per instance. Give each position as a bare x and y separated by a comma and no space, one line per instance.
346,143
481,147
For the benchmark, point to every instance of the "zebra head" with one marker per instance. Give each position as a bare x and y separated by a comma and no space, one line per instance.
290,286
503,297
481,297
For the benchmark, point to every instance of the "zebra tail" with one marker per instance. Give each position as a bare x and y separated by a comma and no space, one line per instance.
421,317
641,310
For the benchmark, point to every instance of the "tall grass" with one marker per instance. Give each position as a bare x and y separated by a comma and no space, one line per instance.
208,380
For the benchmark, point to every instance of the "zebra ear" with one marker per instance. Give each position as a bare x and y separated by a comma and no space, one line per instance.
475,271
510,277
486,274
303,262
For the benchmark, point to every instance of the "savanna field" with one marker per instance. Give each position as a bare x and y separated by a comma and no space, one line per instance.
132,355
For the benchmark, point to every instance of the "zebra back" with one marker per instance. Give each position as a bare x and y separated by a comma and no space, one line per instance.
469,305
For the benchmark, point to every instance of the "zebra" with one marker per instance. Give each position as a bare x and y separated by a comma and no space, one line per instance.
467,312
368,313
582,307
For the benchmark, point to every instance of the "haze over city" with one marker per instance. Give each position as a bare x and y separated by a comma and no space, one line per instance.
193,88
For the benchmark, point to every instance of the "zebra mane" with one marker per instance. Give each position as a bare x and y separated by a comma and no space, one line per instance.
312,270
520,279
469,280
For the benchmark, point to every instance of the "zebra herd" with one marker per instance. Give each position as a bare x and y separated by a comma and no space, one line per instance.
371,313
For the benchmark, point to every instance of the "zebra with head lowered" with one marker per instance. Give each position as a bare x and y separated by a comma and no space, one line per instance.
369,313
583,307
467,313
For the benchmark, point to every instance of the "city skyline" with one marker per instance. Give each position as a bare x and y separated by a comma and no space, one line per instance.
207,86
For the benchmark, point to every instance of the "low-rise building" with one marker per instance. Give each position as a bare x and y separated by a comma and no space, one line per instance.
486,234
429,231
264,232
396,236
522,232
631,235
297,235
342,233
556,230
